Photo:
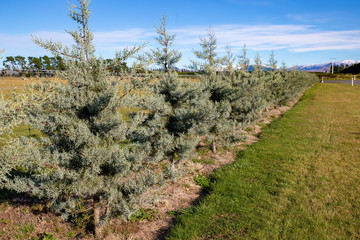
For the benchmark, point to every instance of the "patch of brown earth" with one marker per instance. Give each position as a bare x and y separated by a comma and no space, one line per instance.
20,221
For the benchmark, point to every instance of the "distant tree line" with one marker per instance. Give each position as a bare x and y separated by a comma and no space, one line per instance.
47,66
339,68
32,66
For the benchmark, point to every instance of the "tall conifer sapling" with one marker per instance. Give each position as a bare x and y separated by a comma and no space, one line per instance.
84,155
164,56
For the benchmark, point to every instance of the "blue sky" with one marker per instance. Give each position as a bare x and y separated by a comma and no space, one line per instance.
299,32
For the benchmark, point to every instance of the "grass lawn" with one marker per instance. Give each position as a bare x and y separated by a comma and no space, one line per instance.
300,181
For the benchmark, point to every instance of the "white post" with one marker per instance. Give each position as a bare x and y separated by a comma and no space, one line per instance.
352,81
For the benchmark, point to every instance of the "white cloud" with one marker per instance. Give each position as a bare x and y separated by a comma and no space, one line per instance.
294,38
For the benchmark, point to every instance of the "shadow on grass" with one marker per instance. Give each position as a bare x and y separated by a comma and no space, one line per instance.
21,199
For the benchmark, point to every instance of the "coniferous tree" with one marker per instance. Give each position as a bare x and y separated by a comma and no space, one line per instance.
207,53
164,56
272,61
275,83
248,99
172,118
257,62
84,155
244,61
229,59
220,92
283,66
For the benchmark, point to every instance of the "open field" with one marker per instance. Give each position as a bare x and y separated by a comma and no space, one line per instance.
356,82
300,181
12,82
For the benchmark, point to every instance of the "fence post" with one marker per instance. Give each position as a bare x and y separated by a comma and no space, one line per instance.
352,81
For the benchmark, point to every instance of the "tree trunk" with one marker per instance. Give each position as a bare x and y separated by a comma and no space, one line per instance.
173,164
97,213
213,145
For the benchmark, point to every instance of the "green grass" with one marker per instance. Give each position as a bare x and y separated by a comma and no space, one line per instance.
300,181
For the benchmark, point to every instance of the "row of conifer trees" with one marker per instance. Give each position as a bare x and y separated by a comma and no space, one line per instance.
93,151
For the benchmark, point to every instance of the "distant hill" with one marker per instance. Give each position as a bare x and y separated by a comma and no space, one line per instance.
320,67
354,69
325,67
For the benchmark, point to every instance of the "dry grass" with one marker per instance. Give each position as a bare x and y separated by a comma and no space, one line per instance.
12,82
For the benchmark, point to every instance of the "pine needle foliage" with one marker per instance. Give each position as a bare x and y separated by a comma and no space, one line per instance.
220,92
84,153
244,61
248,99
173,117
83,49
257,61
272,60
164,56
229,59
207,53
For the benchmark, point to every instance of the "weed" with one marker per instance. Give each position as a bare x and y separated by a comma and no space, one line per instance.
71,234
202,181
5,221
38,208
176,213
27,228
248,129
25,210
206,161
144,214
172,213
48,236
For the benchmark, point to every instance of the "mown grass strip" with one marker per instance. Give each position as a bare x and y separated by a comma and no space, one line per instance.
300,181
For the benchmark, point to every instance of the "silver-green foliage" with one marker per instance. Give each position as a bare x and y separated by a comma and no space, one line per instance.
84,153
173,117
244,61
83,49
207,54
164,56
249,97
220,92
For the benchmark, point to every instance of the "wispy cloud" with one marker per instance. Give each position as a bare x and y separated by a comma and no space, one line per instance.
294,38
